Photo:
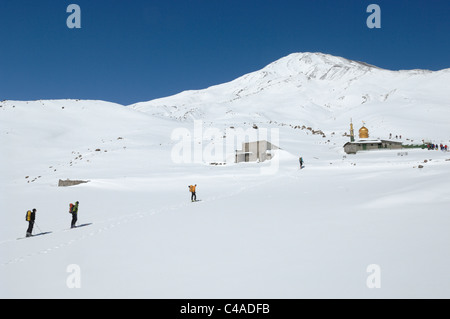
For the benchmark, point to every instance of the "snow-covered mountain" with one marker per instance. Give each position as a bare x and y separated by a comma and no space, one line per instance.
315,232
324,92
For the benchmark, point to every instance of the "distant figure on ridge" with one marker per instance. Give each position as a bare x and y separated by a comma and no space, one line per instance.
301,162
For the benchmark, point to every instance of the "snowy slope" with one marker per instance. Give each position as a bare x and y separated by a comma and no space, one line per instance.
288,234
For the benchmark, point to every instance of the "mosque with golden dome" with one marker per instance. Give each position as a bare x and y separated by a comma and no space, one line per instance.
365,143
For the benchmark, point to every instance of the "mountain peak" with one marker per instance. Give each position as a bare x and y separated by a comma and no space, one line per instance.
316,65
313,89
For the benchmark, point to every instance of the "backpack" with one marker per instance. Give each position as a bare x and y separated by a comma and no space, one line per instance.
28,216
70,208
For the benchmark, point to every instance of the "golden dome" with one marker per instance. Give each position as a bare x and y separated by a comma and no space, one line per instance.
363,132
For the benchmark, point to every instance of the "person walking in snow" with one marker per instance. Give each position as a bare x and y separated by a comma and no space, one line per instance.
192,190
73,209
30,218
301,162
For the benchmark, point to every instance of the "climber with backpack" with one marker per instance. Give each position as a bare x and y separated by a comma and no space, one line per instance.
30,218
192,190
73,209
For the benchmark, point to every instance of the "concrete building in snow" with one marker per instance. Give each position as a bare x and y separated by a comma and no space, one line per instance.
258,151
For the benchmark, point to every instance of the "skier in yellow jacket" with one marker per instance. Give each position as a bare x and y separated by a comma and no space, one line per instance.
30,218
192,190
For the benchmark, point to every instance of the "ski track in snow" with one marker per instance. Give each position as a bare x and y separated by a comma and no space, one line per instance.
114,222
89,234
111,223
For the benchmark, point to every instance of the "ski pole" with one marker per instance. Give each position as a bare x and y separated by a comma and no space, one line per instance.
38,227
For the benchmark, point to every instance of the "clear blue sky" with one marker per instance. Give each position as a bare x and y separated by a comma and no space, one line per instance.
136,50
